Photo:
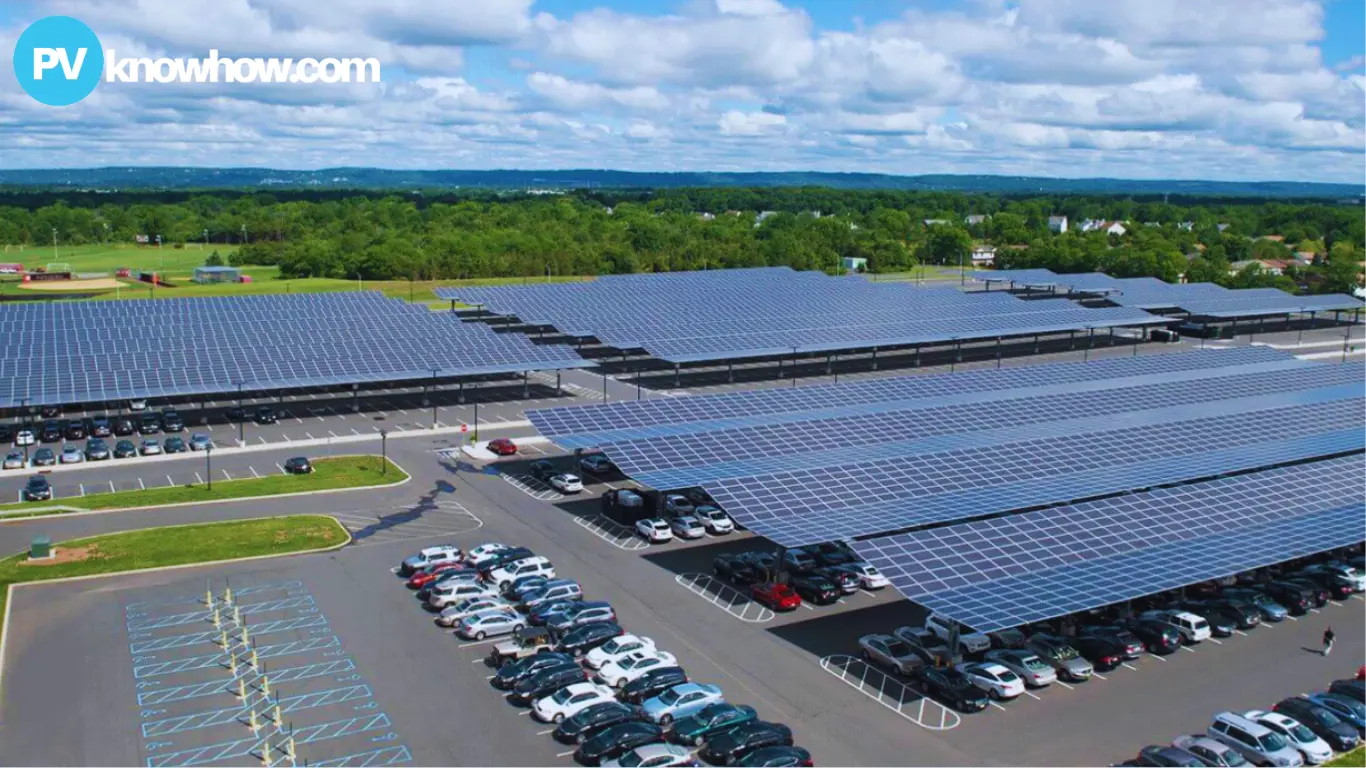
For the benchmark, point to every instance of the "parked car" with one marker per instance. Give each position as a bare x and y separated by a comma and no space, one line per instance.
952,687
542,469
622,671
512,673
579,614
709,721
1239,613
484,553
429,574
597,464
570,700
777,757
200,442
1132,645
72,455
971,642
687,527
1166,756
1158,637
96,449
566,483
676,504
652,756
527,643
869,577
1024,663
137,404
1341,570
1348,710
449,593
1257,743
298,465
43,457
38,489
1210,752
832,553
124,449
618,648
1320,720
890,652
1314,749
652,684
1058,653
681,701
123,426
799,562
582,639
1193,629
175,445
100,427
590,721
847,582
504,575
817,589
171,421
266,415
149,424
24,437
931,649
74,430
452,615
1103,652
501,446
1271,610
490,623
779,597
740,569
553,590
727,748
546,682
998,682
1352,689
716,522
51,432
654,530
544,612
14,460
428,556
618,740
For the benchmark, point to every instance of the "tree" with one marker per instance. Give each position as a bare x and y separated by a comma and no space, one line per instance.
946,244
214,260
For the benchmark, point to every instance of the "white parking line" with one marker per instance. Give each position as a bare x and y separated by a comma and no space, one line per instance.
1216,642
1292,618
286,437
1065,685
400,410
562,754
309,435
1358,597
262,439
1032,696
277,466
296,418
807,607
478,642
1127,665
998,706
1187,649
1239,632
210,426
82,489
111,486
253,471
1159,658
609,485
354,432
330,432
141,487
169,481
198,479
1099,675
538,733
341,415
1314,610
226,476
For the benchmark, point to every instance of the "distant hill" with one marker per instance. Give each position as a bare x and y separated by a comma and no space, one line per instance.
158,178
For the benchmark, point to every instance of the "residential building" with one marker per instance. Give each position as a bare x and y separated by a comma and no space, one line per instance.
854,263
1057,224
975,219
1186,226
983,256
1222,227
935,222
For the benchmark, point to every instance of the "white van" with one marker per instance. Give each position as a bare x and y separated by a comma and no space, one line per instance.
452,592
527,566
1193,629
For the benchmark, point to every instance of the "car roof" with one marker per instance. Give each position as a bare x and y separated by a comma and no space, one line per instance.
655,750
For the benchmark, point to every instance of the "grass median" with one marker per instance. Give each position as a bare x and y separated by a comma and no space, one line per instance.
1356,757
174,545
328,474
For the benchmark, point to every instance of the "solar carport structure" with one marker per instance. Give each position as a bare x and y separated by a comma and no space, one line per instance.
101,351
727,315
1000,497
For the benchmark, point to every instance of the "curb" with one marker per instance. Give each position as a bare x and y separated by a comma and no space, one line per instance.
9,591
27,514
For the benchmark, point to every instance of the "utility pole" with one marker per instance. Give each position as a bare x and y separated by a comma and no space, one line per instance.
54,243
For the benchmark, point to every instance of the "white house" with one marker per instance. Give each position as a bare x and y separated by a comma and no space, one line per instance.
1090,225
935,222
854,263
1057,224
1113,228
983,256
975,219
1186,226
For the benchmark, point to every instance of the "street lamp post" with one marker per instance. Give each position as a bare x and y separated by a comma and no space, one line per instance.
241,417
434,372
384,451
206,238
54,243
23,408
208,464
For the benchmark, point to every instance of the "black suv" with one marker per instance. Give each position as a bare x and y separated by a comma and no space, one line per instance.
266,415
952,686
1244,615
151,424
123,426
814,588
99,428
1105,653
1296,599
171,421
75,430
37,489
651,684
1341,736
52,432
542,469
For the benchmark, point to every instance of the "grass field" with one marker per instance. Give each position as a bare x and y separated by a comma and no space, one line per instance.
178,545
107,258
328,474
1355,758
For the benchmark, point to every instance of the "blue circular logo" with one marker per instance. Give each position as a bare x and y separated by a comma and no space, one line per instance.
58,60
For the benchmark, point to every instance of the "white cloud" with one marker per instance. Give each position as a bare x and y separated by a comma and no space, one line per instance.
737,123
568,94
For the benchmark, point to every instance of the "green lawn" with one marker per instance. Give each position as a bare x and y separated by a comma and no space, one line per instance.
107,258
178,545
328,474
930,271
1356,758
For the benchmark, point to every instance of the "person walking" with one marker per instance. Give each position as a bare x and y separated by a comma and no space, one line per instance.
1328,641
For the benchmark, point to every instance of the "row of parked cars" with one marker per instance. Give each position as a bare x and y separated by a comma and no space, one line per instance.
1299,730
148,423
819,574
96,449
617,696
1001,665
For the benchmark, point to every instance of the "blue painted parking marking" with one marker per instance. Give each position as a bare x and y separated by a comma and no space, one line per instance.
215,659
248,609
277,677
262,628
241,748
226,715
191,599
370,759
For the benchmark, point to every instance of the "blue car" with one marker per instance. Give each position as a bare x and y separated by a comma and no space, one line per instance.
682,700
1348,710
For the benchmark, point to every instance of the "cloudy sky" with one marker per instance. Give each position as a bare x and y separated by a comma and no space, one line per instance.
1216,89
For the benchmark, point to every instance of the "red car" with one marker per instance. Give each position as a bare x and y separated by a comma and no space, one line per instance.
502,446
427,575
1361,672
779,597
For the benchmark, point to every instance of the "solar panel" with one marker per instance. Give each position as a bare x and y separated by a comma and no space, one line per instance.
593,425
1012,570
836,501
868,430
1246,306
1021,276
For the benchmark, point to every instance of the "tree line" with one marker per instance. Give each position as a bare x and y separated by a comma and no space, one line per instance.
414,236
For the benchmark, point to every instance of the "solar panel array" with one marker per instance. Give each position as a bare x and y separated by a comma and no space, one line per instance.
1202,299
777,311
79,352
1017,569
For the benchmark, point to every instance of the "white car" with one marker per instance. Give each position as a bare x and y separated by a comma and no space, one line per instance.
566,483
654,530
451,615
137,405
653,756
718,523
570,700
676,504
687,527
1193,628
1314,749
452,592
443,553
14,460
972,642
890,652
868,577
490,623
999,682
622,671
483,553
24,437
1026,664
527,566
618,648
72,455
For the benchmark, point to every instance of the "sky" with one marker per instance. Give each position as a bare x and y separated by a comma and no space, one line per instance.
1191,89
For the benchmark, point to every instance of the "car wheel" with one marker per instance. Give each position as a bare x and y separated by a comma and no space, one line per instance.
480,635
698,741
994,694
619,682
666,719
517,628
559,718
864,655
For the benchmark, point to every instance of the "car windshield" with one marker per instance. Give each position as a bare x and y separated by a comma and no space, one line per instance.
1324,716
670,696
1356,707
1066,652
899,649
630,759
562,695
1273,742
1301,733
1034,663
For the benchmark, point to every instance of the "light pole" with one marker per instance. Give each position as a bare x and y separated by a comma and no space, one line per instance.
434,371
23,408
206,239
208,464
54,243
384,451
476,418
241,417
245,241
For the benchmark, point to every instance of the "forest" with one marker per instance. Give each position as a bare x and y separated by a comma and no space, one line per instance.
589,232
